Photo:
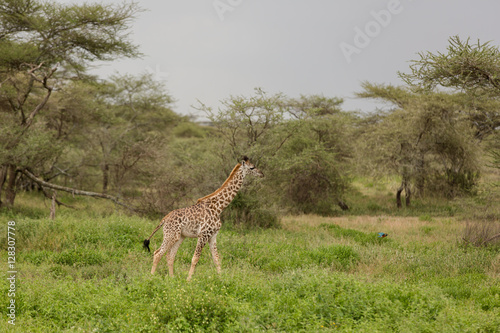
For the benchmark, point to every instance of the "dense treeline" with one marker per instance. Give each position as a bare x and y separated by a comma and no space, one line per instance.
120,138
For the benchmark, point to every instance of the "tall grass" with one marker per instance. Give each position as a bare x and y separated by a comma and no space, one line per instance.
87,272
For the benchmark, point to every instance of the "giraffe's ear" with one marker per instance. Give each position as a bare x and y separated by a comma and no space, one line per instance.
245,159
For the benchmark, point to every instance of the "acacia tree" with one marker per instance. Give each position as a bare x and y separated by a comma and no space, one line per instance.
247,122
299,143
469,68
109,130
472,69
318,154
135,123
36,39
425,138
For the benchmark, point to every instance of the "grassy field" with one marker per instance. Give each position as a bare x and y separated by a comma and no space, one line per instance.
87,272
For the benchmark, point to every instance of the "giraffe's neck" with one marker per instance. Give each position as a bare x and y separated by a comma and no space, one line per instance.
221,198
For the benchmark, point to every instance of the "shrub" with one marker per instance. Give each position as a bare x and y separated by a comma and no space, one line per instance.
246,211
315,184
486,233
188,130
190,310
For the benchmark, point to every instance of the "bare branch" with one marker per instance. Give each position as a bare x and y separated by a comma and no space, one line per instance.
43,81
59,203
75,191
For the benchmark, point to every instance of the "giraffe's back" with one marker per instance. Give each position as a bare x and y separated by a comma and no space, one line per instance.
190,221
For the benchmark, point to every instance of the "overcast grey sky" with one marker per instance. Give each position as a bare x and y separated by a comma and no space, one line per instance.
211,49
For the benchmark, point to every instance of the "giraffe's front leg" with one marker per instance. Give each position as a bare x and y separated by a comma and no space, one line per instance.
199,246
215,254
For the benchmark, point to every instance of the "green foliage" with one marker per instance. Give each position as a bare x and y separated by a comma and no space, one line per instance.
433,139
314,106
314,181
426,139
78,33
17,54
37,38
247,212
301,146
493,151
188,170
466,66
191,309
188,130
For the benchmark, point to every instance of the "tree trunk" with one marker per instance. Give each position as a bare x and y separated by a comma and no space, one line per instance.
406,187
3,174
343,205
398,196
10,190
420,177
105,178
407,195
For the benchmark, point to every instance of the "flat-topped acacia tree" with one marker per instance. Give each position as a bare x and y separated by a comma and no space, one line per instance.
37,40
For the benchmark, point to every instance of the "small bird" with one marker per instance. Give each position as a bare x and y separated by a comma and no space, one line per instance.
382,234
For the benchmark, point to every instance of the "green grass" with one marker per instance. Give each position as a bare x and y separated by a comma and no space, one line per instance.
86,271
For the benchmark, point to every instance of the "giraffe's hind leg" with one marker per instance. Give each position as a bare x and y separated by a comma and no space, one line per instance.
171,255
168,243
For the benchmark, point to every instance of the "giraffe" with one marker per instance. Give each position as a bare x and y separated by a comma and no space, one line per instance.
201,220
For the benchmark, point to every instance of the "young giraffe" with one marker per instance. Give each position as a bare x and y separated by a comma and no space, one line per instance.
202,220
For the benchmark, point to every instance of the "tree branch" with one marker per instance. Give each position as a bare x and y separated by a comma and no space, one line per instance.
59,203
75,191
49,89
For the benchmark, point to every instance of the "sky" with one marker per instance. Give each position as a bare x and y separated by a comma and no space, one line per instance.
208,50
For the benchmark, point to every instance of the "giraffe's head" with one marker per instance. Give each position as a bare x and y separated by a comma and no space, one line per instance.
249,168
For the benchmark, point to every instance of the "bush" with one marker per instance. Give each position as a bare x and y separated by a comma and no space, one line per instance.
486,233
246,211
192,310
189,130
314,183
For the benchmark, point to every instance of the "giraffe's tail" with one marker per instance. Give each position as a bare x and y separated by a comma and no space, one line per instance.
145,244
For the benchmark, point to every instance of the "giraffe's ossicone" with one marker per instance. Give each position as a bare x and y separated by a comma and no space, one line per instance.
201,220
